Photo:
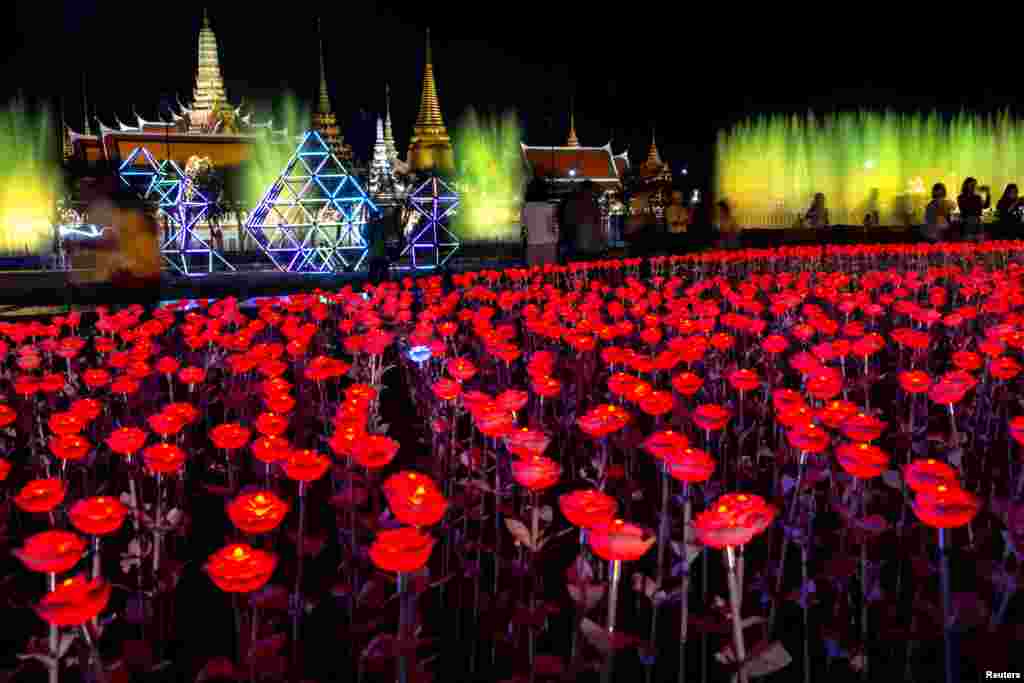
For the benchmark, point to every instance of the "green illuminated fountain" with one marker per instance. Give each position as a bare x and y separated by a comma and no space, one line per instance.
29,180
490,178
769,168
271,155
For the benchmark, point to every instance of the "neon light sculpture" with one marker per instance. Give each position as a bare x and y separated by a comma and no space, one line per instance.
182,204
313,218
432,242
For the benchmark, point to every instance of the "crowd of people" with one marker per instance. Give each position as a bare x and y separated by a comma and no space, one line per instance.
561,229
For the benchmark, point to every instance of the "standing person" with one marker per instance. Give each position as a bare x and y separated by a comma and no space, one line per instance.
540,218
566,221
377,248
585,215
817,215
971,205
938,215
728,228
677,216
1008,213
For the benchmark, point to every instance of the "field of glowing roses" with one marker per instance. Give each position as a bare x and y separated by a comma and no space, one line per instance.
783,465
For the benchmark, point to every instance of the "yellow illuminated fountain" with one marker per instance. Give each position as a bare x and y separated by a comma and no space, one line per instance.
490,178
29,180
769,168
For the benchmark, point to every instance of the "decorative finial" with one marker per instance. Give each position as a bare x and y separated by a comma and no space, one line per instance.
573,141
430,59
85,106
206,17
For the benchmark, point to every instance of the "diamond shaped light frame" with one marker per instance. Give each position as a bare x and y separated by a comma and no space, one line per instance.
184,206
432,242
313,218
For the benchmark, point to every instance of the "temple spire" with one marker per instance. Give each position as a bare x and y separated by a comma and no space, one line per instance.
209,88
87,130
206,17
653,158
325,100
573,141
389,137
430,110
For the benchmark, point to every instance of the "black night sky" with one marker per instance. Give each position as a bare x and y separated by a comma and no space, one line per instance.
687,69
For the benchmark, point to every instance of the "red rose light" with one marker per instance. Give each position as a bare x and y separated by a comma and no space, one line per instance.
744,380
98,516
512,400
734,520
305,465
809,437
5,469
258,512
66,423
622,383
835,413
88,409
230,436
375,451
536,472
862,427
415,499
74,601
663,444
71,447
657,403
687,383
1017,429
526,442
167,365
461,369
691,465
163,458
191,376
947,393
240,568
926,474
588,508
40,495
280,402
51,552
619,540
96,378
603,420
270,449
7,414
166,424
967,360
915,381
711,417
1004,368
447,389
945,506
862,460
825,384
546,387
271,424
401,550
785,400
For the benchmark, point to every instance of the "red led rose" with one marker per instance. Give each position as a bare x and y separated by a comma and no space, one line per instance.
163,458
98,516
71,447
74,601
51,552
270,449
588,508
691,465
922,475
687,383
401,550
305,465
240,568
230,436
711,417
734,520
945,506
809,437
525,442
536,472
664,443
620,540
862,460
862,427
40,495
415,499
257,512
657,403
915,381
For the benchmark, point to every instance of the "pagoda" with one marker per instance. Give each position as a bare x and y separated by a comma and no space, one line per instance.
208,95
324,120
573,163
389,137
654,170
381,185
430,148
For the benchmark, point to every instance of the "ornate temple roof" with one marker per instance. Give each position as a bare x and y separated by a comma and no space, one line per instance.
573,140
574,164
324,120
653,168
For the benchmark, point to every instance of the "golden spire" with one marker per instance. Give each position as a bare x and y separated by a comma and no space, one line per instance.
573,141
430,110
325,100
430,148
653,158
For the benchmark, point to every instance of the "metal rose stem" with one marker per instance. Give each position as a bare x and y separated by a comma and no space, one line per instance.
785,539
534,536
405,604
685,590
947,609
737,622
157,523
296,605
94,652
54,666
615,570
